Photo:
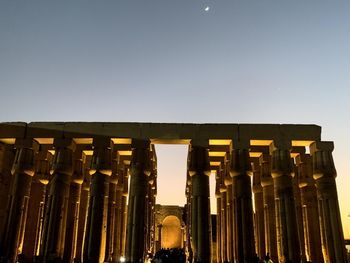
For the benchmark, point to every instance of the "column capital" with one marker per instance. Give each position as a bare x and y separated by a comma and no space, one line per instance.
101,158
141,157
265,166
304,164
43,159
78,176
198,160
24,159
323,164
281,161
63,157
240,160
257,187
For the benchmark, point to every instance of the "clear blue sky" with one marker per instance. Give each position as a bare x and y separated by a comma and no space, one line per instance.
242,61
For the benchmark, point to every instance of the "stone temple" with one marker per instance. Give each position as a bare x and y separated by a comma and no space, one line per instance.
87,192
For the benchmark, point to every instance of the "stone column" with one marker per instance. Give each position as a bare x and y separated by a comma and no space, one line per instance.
286,220
324,173
269,207
96,221
199,170
83,206
124,211
298,210
218,218
112,215
73,208
34,222
54,229
22,171
117,250
230,241
259,211
151,209
159,236
188,217
310,210
7,155
242,203
140,170
223,191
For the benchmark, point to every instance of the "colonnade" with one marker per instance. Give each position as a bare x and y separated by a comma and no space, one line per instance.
68,201
92,198
296,214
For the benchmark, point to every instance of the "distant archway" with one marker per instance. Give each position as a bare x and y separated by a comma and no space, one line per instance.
171,232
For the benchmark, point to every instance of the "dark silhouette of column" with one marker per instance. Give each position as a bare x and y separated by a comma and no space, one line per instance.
286,219
52,246
7,156
310,209
140,170
22,172
242,203
199,170
324,173
96,221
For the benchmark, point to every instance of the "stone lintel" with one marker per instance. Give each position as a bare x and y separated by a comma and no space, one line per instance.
159,131
13,129
241,144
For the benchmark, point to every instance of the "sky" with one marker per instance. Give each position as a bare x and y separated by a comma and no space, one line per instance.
242,61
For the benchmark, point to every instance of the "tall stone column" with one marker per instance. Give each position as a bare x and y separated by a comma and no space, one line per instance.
34,222
298,211
269,207
286,219
218,219
54,229
154,196
73,208
7,156
259,211
199,170
112,215
83,205
140,170
223,191
124,212
243,206
324,173
96,221
310,210
188,217
22,171
230,241
151,209
117,250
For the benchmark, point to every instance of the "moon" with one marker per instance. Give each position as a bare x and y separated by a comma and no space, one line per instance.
207,8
